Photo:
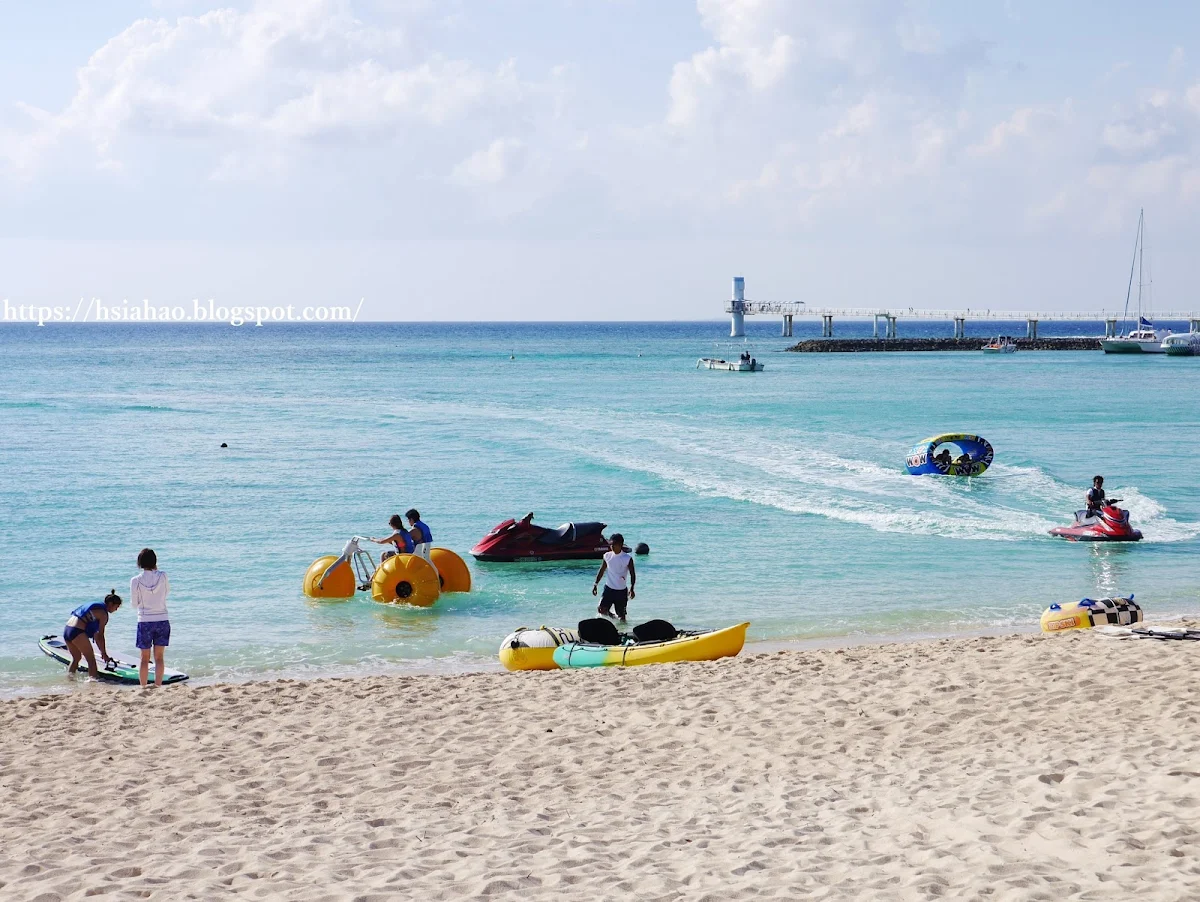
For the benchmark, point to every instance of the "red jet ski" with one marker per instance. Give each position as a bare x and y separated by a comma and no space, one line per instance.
521,540
1109,524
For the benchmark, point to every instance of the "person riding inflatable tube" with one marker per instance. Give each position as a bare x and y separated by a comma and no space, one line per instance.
974,457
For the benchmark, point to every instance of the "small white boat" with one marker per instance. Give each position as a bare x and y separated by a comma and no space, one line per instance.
744,364
1001,344
1182,344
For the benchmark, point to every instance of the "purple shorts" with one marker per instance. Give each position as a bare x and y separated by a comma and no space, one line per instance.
151,634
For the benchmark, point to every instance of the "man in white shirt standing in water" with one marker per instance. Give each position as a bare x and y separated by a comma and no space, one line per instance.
617,567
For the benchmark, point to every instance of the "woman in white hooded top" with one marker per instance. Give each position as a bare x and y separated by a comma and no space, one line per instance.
148,591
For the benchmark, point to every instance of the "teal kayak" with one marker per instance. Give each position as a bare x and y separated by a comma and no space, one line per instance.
119,672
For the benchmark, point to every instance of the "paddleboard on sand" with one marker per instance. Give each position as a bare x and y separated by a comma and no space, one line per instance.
119,672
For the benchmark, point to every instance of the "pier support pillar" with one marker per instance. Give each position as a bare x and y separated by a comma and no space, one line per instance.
1031,329
1110,328
787,326
1194,325
737,308
891,327
960,327
737,324
827,325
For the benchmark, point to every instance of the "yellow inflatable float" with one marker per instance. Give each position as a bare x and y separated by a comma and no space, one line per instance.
407,579
533,649
340,583
455,577
1089,612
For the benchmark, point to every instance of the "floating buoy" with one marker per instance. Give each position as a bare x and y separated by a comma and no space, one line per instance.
340,583
452,570
1082,615
530,649
223,445
406,579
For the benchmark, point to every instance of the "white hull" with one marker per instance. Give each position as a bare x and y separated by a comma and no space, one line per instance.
1003,349
729,366
1132,346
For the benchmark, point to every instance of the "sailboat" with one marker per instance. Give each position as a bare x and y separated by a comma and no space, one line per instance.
1145,339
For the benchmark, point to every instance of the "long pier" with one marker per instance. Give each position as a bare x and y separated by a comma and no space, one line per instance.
836,345
738,307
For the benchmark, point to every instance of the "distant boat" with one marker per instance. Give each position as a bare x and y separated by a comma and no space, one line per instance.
1182,344
1001,344
1145,339
744,364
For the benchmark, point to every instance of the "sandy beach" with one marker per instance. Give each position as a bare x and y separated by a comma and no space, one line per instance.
988,768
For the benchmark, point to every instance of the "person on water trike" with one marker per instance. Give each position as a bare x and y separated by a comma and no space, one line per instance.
399,539
1095,496
420,534
85,626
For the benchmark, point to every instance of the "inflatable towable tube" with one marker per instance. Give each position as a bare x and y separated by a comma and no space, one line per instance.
922,462
1083,615
452,570
533,649
406,579
340,583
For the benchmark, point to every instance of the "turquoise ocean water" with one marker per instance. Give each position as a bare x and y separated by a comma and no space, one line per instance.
778,498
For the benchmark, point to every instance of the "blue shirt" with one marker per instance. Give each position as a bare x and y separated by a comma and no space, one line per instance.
426,535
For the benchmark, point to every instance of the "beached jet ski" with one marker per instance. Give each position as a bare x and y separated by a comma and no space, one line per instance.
523,540
1110,524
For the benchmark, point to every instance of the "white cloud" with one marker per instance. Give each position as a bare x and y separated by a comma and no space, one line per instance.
282,71
490,164
1024,123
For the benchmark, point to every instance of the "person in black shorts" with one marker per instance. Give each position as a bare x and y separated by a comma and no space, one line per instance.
616,571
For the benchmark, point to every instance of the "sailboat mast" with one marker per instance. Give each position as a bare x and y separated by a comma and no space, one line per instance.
1132,265
1141,256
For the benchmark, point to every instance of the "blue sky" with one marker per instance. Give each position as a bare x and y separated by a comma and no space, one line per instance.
586,159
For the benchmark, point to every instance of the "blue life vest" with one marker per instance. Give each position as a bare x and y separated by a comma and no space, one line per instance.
402,535
91,623
426,535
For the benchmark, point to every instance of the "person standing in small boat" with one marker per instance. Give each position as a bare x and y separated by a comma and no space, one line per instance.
148,592
616,570
421,535
85,626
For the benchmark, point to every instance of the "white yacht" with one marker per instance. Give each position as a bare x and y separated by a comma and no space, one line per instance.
1145,339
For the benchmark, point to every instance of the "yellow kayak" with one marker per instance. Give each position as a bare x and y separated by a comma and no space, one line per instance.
706,645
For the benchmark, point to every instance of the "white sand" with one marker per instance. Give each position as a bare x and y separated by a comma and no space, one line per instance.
1014,768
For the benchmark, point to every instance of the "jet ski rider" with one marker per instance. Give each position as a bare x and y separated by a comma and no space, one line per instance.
1095,496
